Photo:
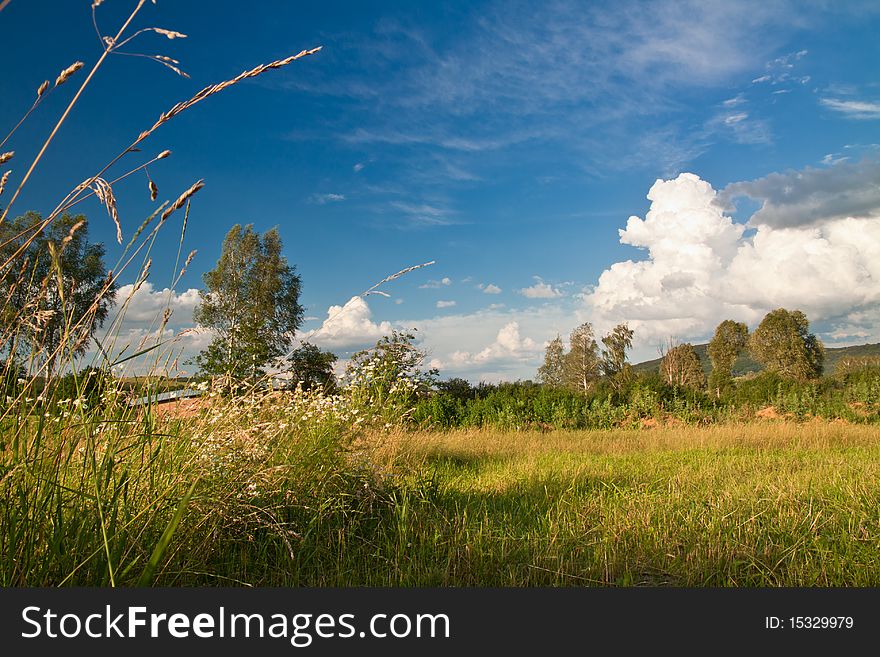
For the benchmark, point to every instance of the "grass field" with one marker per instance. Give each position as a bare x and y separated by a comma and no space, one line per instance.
252,493
751,505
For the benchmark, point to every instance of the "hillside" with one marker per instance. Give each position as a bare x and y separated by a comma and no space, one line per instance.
744,364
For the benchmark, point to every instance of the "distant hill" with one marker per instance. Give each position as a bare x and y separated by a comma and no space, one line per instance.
744,364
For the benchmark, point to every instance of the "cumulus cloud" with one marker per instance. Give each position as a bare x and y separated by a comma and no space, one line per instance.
812,195
349,326
147,304
540,290
136,321
445,304
433,285
702,268
508,347
494,343
491,288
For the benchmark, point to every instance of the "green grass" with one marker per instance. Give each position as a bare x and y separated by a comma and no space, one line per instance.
250,493
779,505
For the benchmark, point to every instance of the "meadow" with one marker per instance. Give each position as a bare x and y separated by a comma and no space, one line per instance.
389,480
292,489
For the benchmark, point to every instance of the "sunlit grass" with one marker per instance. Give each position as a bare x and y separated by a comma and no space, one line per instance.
279,498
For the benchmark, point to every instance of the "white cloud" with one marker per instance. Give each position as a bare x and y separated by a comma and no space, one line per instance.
740,127
780,70
491,288
701,268
323,199
833,158
489,343
146,304
423,215
433,285
853,109
540,290
739,99
357,168
348,327
445,304
507,348
136,322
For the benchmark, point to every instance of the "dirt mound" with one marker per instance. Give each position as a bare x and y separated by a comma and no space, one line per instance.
181,408
769,413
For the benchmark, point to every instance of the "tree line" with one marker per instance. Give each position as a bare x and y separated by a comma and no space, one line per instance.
782,343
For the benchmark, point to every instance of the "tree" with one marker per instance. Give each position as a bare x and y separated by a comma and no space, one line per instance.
552,372
251,302
681,367
783,344
457,388
56,290
726,345
582,360
313,368
613,363
389,378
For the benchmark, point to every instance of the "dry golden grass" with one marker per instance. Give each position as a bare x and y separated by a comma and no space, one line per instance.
414,447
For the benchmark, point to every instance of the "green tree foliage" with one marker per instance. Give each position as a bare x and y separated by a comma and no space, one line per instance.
312,368
783,344
581,368
552,372
681,367
457,388
726,345
613,362
251,302
389,377
56,289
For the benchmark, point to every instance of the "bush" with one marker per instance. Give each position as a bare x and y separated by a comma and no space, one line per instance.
87,386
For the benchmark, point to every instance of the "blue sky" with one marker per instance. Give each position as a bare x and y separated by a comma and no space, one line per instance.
515,144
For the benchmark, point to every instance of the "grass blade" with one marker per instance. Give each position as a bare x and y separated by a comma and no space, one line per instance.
148,574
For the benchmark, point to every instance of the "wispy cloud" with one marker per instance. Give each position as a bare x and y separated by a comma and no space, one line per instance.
853,109
323,199
741,127
423,215
782,70
445,304
491,288
507,76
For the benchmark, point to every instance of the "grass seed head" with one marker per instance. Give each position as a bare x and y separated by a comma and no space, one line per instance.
183,198
65,75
